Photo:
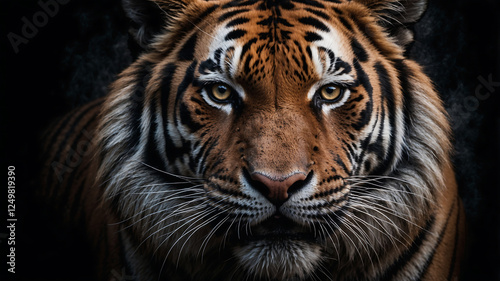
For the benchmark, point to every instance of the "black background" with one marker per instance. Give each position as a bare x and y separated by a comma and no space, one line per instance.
72,58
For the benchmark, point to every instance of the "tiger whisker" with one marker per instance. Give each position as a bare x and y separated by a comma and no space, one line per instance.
384,220
166,226
381,188
186,178
329,234
191,222
390,211
213,231
188,221
344,234
381,177
148,208
360,235
384,230
161,200
374,198
194,230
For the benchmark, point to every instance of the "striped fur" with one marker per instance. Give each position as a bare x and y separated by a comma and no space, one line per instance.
172,183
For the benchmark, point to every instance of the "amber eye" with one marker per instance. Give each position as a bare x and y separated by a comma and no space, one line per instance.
220,92
331,93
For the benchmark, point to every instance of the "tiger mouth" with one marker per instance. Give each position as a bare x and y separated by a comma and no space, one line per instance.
279,228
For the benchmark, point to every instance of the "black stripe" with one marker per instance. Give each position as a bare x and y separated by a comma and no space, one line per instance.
365,143
455,247
312,3
219,161
339,63
203,148
239,3
203,15
312,36
314,23
331,57
208,66
341,163
305,65
266,22
296,60
235,34
318,13
55,134
358,50
152,154
173,152
186,81
211,65
83,137
187,27
335,9
247,46
410,253
430,258
285,35
166,86
284,22
246,65
217,56
287,5
237,21
309,52
351,154
187,120
299,75
366,113
136,106
344,22
369,33
377,147
387,91
69,132
230,14
403,73
187,50
212,144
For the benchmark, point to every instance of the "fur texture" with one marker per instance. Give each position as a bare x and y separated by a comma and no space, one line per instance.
194,150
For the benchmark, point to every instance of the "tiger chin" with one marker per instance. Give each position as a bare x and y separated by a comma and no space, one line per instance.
263,140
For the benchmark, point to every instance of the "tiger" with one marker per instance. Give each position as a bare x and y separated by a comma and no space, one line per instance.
263,140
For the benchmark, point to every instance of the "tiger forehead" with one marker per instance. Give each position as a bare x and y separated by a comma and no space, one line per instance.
251,43
279,21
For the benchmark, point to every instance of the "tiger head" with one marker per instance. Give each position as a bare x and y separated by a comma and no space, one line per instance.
275,139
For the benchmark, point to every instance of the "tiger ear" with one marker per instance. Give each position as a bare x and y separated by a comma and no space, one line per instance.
150,17
397,15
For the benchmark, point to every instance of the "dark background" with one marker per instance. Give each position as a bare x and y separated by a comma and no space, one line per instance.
75,53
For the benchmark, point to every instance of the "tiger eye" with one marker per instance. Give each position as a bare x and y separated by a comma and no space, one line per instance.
221,92
331,92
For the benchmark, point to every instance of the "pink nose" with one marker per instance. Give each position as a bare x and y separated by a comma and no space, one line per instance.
278,186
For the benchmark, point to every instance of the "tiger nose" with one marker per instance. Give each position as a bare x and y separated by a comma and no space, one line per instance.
277,188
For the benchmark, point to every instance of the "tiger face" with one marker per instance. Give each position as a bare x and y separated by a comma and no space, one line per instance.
276,116
274,140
